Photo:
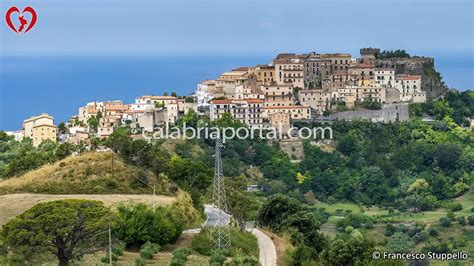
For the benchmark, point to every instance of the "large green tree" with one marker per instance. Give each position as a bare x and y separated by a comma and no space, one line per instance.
68,229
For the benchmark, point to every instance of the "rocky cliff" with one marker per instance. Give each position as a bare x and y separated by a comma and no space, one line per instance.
431,81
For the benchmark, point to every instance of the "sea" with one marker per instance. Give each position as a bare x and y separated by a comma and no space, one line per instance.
59,85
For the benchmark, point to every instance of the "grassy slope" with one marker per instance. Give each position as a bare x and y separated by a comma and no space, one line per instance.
14,204
91,173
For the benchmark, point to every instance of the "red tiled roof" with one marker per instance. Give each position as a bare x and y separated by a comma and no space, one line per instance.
224,101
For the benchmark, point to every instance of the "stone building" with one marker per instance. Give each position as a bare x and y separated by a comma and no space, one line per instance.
369,55
316,70
318,100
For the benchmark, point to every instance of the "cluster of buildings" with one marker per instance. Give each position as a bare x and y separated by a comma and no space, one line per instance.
292,87
304,86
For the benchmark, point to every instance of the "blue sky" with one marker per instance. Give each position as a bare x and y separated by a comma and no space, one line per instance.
84,50
118,27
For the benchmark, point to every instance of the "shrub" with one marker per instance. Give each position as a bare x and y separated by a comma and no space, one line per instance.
217,258
106,259
433,232
445,222
461,220
472,209
139,224
140,261
242,242
244,260
118,249
356,221
148,250
180,256
451,216
202,243
419,237
455,207
470,220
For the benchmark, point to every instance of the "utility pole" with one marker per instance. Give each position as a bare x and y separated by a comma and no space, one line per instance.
154,198
221,234
110,245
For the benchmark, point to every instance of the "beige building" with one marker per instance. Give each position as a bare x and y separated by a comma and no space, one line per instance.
289,70
295,111
361,73
280,120
91,109
337,79
278,95
265,74
339,62
114,108
43,132
77,135
352,94
30,123
107,125
318,100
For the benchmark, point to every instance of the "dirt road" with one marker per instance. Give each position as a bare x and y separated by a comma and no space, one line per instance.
13,204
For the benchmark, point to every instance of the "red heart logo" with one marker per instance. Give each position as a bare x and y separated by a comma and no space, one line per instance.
21,18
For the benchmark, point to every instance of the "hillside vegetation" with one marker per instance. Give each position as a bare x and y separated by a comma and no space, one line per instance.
90,173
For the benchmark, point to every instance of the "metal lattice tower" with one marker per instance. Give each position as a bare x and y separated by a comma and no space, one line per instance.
221,235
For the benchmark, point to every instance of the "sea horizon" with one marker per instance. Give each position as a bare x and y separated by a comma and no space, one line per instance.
60,84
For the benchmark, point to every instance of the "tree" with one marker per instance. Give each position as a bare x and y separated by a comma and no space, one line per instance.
63,150
62,129
442,109
93,123
276,209
67,228
241,203
355,251
418,186
348,144
399,243
447,155
139,224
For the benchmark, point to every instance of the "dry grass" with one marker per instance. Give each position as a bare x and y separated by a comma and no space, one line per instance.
13,204
91,173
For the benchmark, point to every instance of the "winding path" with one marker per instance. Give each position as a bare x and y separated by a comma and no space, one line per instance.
267,254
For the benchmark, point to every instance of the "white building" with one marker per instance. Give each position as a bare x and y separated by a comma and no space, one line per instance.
385,77
247,111
18,134
409,87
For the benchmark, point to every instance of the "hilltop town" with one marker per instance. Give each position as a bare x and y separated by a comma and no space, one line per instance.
294,87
